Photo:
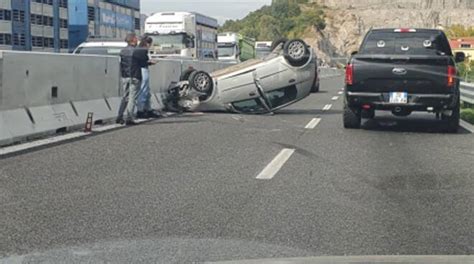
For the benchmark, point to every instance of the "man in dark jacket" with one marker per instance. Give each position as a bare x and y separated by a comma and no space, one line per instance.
131,63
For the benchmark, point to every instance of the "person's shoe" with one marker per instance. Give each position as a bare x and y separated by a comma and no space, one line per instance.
142,115
120,121
131,123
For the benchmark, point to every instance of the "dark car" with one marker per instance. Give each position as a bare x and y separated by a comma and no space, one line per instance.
402,71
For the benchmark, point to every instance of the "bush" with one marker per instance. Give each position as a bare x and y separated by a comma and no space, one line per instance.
468,115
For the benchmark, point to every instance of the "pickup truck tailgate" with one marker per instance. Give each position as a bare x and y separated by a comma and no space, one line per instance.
418,74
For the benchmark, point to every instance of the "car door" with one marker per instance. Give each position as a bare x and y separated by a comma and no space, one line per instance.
281,84
240,91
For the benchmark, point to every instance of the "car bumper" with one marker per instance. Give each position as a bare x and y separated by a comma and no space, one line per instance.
416,102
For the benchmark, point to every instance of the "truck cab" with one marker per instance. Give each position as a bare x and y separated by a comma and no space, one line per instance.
228,45
182,34
234,47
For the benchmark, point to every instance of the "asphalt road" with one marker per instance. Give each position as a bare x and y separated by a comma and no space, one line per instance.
185,189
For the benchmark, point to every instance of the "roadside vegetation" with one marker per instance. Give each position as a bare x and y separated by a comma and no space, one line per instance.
283,18
467,113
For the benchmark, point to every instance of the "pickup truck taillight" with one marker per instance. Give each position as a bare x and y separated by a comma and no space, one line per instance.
350,74
451,76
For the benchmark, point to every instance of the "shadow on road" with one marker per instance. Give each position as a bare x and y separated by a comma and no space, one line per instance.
308,112
415,125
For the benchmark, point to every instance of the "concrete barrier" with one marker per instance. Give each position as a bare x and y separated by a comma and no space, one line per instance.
44,93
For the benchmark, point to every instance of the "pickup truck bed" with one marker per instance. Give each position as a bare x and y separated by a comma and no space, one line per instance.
402,72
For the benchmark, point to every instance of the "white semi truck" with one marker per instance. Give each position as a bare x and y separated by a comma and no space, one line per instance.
182,34
234,47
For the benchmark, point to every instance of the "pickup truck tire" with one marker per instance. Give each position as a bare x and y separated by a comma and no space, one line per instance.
352,118
296,52
453,121
201,81
369,114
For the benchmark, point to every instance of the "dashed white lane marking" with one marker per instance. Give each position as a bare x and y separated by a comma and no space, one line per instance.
341,92
467,126
275,166
313,123
335,98
327,107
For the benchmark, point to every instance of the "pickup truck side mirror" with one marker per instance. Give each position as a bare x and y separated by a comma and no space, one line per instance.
459,57
354,53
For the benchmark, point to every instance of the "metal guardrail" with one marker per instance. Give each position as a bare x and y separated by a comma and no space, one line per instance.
467,93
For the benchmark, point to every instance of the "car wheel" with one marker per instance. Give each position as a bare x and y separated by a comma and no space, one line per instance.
452,121
277,42
201,81
296,52
351,118
185,75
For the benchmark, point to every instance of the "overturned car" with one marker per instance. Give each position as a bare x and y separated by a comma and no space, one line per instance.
287,75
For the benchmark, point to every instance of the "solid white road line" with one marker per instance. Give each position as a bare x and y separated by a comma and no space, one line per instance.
275,166
106,128
313,123
40,143
335,98
327,107
467,126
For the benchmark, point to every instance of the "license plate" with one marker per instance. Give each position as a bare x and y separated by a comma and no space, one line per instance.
398,98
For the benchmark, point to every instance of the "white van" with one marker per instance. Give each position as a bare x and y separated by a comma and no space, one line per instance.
111,48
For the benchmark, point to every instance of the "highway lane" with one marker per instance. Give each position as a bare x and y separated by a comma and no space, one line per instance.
185,189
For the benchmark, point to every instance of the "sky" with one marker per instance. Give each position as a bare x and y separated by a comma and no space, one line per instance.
219,9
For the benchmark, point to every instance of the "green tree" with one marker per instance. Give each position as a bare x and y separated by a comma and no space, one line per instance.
283,18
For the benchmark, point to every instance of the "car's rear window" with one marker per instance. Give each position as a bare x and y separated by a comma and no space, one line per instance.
410,43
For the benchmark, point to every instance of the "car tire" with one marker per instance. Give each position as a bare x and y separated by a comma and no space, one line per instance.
201,81
296,52
453,121
185,75
352,118
277,42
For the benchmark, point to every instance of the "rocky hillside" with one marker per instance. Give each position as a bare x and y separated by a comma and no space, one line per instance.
347,21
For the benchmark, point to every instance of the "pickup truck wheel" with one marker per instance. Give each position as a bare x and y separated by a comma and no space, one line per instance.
201,81
296,52
351,118
452,122
369,114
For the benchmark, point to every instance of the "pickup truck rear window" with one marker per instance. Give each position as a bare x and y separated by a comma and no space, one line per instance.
395,43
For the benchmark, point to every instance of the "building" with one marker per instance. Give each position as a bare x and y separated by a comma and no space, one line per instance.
465,45
111,19
39,25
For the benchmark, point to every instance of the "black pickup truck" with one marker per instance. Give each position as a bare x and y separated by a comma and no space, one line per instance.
403,70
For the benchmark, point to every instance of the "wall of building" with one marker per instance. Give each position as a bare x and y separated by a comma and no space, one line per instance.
112,19
34,25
